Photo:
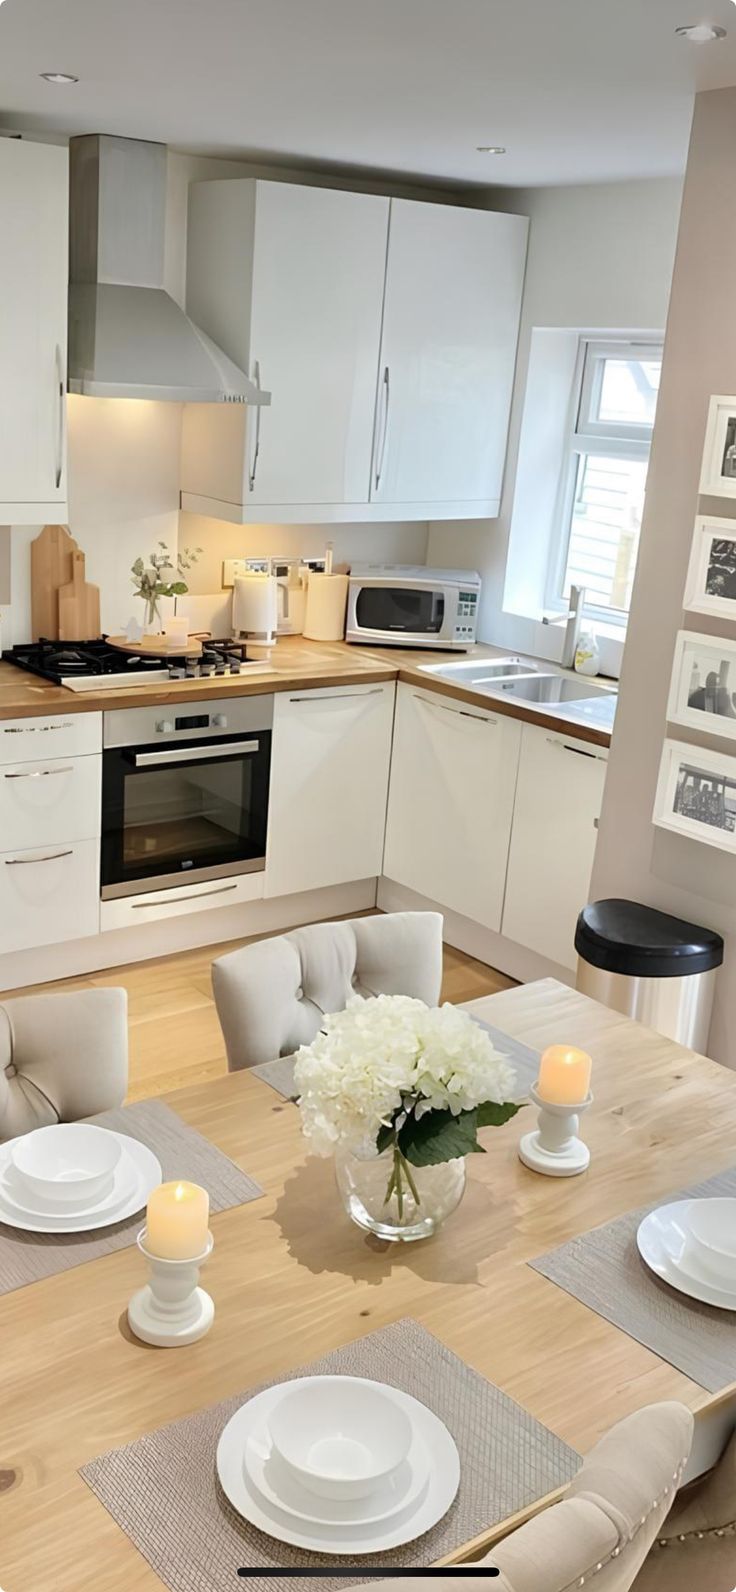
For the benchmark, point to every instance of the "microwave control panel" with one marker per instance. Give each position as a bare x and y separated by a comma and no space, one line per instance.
467,615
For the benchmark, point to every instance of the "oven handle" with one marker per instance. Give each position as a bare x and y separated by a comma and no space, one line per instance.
196,895
192,754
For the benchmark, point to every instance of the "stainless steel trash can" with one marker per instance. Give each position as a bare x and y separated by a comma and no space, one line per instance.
650,966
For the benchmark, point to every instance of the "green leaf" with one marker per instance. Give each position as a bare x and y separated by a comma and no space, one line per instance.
492,1115
439,1136
385,1137
177,588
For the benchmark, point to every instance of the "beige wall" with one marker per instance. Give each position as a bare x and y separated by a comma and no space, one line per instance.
633,858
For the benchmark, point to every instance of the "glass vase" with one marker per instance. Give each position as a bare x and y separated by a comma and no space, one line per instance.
402,1203
152,620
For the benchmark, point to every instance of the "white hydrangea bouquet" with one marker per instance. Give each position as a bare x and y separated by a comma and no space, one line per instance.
389,1074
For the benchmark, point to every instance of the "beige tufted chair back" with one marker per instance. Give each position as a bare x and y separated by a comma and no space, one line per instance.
271,996
598,1537
62,1057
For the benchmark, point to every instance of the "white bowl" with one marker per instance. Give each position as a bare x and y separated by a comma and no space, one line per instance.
711,1228
339,1436
71,1163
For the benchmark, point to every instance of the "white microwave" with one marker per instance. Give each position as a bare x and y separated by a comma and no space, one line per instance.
397,605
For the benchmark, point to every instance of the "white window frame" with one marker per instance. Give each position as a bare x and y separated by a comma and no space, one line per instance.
586,434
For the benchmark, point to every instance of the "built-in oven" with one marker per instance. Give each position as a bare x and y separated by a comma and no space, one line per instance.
402,606
184,793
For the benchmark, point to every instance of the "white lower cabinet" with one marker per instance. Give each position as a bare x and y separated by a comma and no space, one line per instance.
41,801
48,894
329,777
451,801
558,802
50,792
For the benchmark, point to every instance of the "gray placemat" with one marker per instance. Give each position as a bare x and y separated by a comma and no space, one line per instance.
279,1074
604,1270
164,1493
183,1153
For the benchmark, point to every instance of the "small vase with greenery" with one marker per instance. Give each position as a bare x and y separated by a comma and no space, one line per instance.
158,576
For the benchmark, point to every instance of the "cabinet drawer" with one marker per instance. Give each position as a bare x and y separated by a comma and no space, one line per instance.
58,735
56,800
48,894
129,912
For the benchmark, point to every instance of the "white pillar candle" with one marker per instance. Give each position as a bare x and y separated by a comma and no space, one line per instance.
177,1221
564,1075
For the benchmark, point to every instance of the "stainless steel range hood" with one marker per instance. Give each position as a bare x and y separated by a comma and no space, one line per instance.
127,336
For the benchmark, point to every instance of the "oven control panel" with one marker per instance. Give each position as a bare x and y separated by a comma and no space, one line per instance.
145,726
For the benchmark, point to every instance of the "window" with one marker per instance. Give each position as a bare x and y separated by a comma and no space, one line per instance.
604,474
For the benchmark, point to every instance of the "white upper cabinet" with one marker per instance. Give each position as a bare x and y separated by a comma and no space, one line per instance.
289,280
385,331
34,208
558,802
450,327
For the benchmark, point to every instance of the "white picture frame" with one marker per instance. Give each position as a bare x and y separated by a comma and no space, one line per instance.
711,577
718,470
703,684
696,794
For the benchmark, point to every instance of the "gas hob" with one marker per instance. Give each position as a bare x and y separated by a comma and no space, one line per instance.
94,665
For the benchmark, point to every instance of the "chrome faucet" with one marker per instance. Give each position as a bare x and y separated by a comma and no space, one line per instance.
572,620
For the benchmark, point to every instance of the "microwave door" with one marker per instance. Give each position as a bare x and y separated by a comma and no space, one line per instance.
401,611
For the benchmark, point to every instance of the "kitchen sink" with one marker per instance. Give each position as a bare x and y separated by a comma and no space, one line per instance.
547,688
470,672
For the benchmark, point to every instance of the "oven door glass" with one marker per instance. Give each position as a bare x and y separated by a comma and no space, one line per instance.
400,608
192,809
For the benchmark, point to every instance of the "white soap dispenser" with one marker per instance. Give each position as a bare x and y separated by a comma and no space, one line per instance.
587,653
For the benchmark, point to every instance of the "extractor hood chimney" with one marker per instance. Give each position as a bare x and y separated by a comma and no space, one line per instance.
127,336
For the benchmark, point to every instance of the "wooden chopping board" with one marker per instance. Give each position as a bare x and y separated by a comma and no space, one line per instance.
79,605
51,567
158,646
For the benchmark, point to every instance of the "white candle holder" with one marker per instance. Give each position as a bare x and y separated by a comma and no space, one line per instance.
171,1309
554,1147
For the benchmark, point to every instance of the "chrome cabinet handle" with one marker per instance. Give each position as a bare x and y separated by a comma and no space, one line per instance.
60,423
457,713
40,773
20,862
338,696
192,754
196,895
257,449
578,750
384,434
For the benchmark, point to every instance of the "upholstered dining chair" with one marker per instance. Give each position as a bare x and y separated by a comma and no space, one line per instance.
62,1057
599,1535
271,996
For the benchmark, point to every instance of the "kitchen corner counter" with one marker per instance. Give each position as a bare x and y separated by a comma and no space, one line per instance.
295,662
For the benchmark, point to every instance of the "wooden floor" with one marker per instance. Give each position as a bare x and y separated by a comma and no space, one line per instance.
175,1036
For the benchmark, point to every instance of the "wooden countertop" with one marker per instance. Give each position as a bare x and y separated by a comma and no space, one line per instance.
294,662
292,1278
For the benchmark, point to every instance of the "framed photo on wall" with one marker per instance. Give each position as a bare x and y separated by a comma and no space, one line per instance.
696,794
711,576
703,685
718,474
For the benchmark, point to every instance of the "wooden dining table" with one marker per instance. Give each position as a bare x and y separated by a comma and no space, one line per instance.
291,1278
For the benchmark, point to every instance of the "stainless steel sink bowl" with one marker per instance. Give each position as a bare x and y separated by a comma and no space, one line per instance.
547,688
471,672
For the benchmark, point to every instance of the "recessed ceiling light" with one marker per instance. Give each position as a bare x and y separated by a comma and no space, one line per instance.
701,33
58,77
490,149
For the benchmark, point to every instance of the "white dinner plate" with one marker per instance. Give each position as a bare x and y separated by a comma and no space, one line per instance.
661,1240
139,1171
350,1539
274,1481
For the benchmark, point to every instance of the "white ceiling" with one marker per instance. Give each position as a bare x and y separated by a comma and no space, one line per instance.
578,90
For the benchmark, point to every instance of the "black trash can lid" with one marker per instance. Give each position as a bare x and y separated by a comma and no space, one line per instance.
625,937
